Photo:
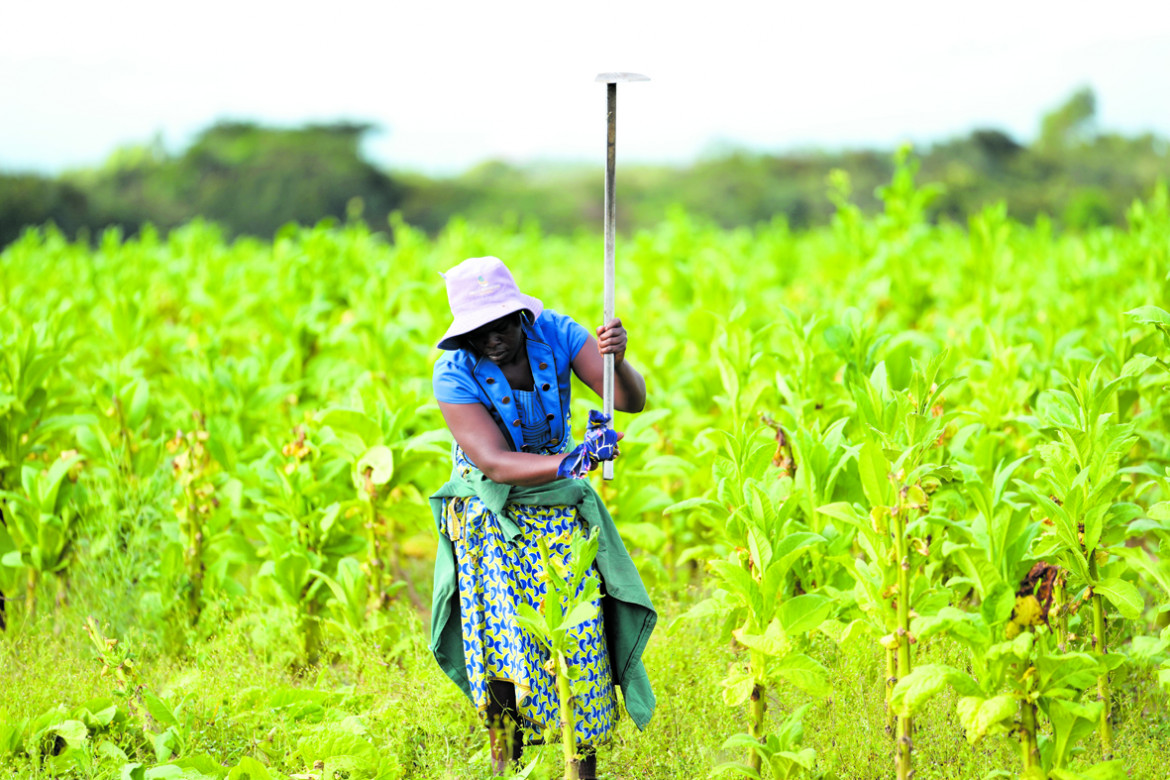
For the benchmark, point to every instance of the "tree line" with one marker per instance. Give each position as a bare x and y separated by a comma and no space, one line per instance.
252,179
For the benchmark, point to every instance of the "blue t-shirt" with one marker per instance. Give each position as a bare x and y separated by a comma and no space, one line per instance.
553,340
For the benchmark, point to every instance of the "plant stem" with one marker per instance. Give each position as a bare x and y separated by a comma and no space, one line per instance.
311,627
756,727
1099,646
905,730
61,599
1060,607
1029,747
393,559
195,565
568,729
30,596
1105,726
374,602
891,681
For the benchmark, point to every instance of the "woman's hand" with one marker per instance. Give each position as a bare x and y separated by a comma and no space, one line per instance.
611,339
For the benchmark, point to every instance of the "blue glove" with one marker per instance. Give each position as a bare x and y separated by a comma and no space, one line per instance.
600,444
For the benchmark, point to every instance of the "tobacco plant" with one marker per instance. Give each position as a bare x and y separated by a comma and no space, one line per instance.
1079,494
302,532
900,465
391,459
760,597
42,523
1016,668
570,593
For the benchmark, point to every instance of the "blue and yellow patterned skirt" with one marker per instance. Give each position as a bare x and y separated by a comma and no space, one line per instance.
494,576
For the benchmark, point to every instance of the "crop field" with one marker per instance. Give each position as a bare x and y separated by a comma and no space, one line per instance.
901,495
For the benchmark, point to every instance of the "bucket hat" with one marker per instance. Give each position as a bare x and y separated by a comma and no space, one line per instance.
480,290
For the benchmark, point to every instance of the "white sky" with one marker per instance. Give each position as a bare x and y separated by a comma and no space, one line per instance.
454,83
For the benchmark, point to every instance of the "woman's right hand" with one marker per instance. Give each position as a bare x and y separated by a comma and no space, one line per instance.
589,365
612,339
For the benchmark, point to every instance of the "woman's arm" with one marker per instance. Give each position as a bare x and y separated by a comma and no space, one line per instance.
476,432
629,389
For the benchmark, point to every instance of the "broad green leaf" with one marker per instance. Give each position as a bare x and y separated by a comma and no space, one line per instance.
249,769
1138,365
787,763
200,766
805,673
108,750
734,767
1123,595
792,547
1107,770
874,470
354,430
738,581
139,403
578,615
1020,647
842,511
1071,721
1068,671
165,744
924,683
165,772
801,614
771,643
706,608
341,752
1150,315
159,710
997,605
97,713
533,622
73,732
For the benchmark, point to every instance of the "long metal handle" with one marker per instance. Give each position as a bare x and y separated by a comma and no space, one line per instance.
610,227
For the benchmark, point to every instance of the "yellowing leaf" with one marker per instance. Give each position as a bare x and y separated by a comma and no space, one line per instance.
737,688
981,716
1028,611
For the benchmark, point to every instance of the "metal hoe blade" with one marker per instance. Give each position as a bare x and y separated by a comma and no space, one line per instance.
620,78
611,80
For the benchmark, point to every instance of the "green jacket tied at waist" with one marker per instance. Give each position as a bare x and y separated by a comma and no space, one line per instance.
629,615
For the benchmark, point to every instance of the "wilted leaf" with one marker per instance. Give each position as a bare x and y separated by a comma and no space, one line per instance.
379,461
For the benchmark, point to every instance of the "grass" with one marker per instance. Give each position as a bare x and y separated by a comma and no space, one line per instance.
241,695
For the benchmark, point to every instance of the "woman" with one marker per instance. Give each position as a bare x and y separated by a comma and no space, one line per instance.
503,388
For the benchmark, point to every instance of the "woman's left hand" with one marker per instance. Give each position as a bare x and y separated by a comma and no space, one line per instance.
611,338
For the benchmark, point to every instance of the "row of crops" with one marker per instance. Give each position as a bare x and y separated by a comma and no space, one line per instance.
884,432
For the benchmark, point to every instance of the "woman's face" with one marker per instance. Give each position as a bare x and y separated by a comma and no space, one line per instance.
500,340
